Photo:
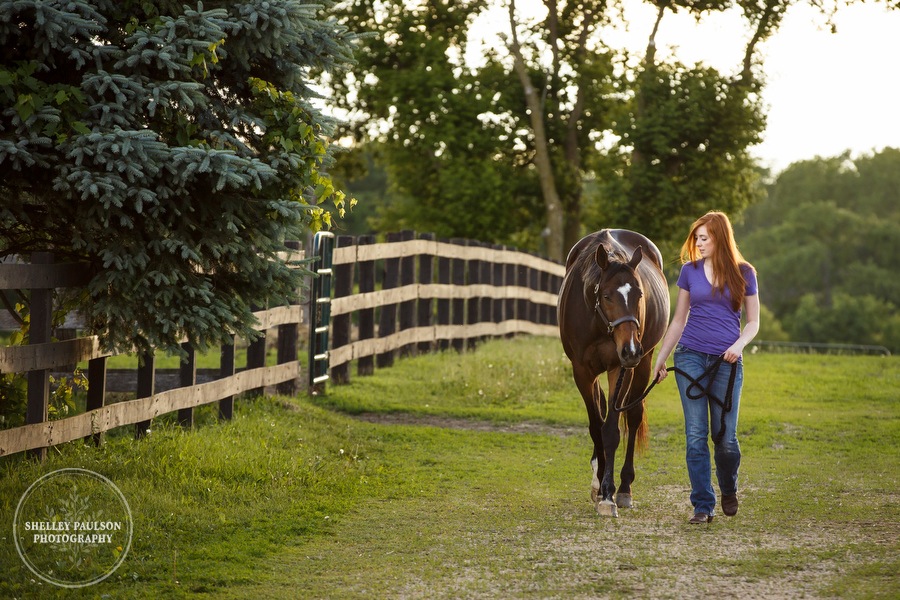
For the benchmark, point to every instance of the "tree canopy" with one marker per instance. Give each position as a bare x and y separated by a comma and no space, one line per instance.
173,148
512,141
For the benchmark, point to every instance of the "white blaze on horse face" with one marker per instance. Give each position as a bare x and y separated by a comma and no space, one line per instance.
624,291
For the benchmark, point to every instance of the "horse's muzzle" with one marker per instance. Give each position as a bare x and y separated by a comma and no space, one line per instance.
630,354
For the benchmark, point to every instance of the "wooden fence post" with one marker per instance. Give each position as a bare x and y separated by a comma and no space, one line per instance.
522,303
96,394
486,277
425,311
443,304
320,310
498,280
256,358
509,278
533,284
473,277
407,308
458,305
288,337
146,385
365,365
41,308
340,324
545,309
387,322
226,369
187,376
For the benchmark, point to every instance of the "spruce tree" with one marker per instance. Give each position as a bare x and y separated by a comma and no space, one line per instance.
173,149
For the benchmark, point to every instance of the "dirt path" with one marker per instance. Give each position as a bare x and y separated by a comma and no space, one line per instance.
528,531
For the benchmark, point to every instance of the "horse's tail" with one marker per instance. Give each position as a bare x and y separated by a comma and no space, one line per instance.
641,436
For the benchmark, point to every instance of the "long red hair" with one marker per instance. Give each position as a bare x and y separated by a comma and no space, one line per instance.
726,258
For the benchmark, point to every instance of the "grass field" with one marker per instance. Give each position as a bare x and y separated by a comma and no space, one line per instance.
467,476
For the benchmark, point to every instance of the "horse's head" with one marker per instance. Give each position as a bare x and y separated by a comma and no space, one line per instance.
619,302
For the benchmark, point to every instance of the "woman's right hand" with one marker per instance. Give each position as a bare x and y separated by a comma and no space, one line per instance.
661,372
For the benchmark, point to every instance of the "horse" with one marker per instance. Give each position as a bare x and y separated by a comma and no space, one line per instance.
612,310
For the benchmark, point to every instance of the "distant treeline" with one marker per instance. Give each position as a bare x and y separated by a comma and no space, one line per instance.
826,243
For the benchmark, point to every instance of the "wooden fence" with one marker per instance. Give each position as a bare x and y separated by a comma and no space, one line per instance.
369,303
430,295
41,356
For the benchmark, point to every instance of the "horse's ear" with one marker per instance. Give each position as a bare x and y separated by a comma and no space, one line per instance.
602,256
636,258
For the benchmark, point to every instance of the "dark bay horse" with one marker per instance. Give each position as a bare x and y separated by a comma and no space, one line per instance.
613,309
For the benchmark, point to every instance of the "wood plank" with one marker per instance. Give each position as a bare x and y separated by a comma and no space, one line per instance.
280,315
18,359
400,249
349,304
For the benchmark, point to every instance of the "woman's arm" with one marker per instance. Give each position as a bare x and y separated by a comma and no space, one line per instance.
673,333
751,328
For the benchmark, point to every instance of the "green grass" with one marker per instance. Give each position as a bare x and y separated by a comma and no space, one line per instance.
309,498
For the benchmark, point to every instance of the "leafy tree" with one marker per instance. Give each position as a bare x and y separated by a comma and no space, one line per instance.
172,148
547,111
826,242
448,169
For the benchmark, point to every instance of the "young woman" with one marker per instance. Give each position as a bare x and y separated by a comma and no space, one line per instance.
714,285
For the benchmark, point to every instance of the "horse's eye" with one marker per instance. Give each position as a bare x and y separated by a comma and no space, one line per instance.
606,297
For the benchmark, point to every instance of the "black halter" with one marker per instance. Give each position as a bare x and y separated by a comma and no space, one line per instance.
611,325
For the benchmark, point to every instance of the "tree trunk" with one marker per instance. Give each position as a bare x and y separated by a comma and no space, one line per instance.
553,232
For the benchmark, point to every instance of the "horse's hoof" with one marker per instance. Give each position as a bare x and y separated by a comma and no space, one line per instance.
595,495
623,500
607,508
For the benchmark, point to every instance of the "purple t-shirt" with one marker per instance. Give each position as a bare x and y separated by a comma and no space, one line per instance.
712,326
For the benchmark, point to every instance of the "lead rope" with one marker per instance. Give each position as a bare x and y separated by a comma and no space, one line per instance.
727,404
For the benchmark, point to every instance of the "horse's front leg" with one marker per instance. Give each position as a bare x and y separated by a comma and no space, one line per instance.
610,433
593,398
610,436
636,425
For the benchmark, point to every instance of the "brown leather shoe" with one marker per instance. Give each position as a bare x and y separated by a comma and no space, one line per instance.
700,518
730,505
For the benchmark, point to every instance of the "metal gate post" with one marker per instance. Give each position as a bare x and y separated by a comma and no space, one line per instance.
320,310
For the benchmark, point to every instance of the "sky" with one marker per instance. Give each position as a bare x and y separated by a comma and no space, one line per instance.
826,92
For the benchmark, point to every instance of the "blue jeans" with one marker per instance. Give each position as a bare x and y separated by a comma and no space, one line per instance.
699,415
